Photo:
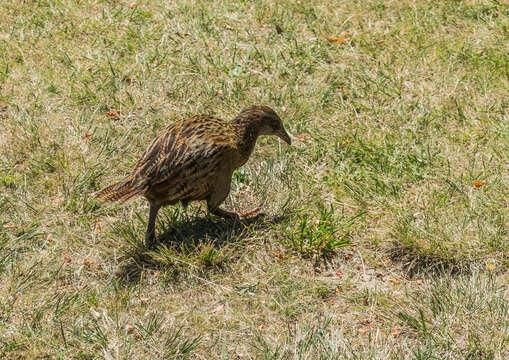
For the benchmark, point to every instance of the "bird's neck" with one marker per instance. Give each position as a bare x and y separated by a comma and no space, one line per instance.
248,130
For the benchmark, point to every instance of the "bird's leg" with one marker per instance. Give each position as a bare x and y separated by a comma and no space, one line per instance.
233,214
223,213
150,235
222,188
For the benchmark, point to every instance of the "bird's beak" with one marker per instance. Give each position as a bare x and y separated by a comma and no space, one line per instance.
284,136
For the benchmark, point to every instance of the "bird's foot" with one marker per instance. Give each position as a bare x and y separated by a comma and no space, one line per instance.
234,215
225,214
246,214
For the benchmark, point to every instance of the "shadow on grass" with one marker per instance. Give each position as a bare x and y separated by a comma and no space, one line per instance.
213,230
185,243
416,261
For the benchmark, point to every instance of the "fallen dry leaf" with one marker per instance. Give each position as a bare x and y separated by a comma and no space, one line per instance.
337,39
128,80
129,328
478,184
395,281
67,258
114,114
132,5
339,274
86,136
9,226
278,29
303,137
86,262
240,193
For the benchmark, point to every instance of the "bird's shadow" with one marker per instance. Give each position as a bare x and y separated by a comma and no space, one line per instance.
217,232
180,236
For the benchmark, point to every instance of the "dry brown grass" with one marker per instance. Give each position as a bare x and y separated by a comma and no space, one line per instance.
393,125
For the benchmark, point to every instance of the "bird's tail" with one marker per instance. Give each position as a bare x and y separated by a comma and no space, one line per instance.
119,192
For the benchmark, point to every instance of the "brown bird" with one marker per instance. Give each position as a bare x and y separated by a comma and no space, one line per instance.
194,159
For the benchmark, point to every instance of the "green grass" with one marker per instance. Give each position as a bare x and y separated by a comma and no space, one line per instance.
391,128
321,237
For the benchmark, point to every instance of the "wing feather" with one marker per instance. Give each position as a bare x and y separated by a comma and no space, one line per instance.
183,153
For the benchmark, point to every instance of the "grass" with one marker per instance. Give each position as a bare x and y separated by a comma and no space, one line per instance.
392,126
328,234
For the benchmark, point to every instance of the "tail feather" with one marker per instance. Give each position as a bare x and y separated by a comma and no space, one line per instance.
119,192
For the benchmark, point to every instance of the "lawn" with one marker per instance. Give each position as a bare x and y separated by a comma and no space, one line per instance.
385,232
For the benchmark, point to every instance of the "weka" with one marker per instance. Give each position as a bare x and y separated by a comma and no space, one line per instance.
194,159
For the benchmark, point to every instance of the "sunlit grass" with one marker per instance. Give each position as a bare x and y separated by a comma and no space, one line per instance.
375,242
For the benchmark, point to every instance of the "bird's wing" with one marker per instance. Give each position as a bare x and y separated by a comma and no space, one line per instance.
184,151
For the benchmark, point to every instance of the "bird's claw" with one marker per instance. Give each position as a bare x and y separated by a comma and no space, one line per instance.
246,214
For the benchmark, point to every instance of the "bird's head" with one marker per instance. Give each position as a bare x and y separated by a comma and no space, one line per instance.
267,120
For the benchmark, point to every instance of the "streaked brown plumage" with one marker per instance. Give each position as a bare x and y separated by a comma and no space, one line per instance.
194,159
